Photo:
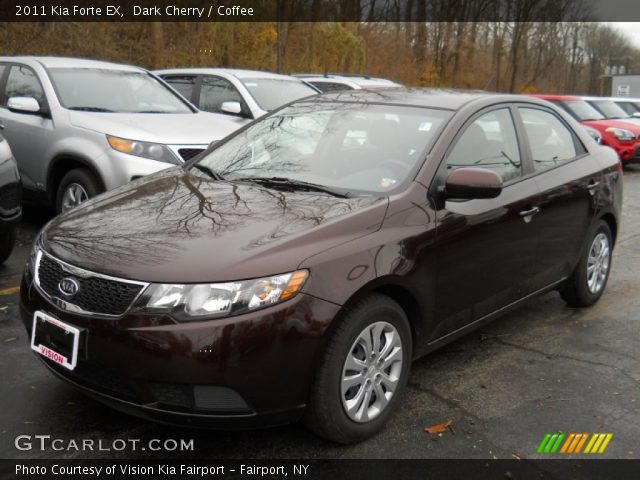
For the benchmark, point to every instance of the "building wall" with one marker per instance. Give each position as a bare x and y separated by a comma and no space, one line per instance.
625,86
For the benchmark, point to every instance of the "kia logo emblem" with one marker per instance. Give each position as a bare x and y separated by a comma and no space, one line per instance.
68,286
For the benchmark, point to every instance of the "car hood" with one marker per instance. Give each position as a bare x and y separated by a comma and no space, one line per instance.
199,128
180,227
602,125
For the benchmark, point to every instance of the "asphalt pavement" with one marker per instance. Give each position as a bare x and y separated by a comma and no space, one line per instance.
542,368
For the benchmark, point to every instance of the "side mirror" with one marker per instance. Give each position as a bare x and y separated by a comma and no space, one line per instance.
24,105
472,182
231,107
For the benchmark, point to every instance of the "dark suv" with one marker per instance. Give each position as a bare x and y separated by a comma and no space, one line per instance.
297,268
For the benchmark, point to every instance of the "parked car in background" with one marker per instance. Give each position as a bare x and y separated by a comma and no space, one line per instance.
629,105
330,82
246,94
611,110
79,127
595,134
297,268
620,135
10,200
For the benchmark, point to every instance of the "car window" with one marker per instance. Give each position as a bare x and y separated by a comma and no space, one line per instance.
272,93
22,82
551,142
114,91
214,91
330,86
184,84
489,142
628,107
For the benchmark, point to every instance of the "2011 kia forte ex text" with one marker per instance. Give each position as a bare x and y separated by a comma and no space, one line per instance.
295,269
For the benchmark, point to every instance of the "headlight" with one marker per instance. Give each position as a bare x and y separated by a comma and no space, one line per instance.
196,301
621,134
153,151
33,256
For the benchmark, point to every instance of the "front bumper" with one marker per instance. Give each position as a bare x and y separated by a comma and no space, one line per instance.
240,372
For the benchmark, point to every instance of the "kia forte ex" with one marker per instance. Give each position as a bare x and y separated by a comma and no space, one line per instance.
297,268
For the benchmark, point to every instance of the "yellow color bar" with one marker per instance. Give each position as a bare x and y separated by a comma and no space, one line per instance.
591,442
606,441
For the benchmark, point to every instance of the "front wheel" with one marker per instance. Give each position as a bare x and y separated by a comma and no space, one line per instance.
76,187
586,284
363,373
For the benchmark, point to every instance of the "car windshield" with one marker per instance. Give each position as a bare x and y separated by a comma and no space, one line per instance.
609,109
114,91
352,147
582,110
272,93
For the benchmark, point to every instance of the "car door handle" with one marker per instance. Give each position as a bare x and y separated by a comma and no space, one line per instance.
530,212
592,187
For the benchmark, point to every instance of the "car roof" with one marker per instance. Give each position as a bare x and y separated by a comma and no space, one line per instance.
71,62
421,97
554,97
236,72
361,80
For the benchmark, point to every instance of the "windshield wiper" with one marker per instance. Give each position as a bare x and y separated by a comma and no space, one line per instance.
294,185
91,109
208,171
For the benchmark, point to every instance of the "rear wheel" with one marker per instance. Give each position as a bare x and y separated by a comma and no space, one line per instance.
7,242
589,279
363,373
76,187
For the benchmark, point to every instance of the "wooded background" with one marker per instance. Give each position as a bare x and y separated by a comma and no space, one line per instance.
527,56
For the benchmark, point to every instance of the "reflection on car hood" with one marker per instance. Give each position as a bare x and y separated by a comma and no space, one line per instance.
179,227
168,128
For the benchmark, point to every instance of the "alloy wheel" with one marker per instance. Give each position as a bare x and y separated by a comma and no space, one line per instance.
73,196
598,263
371,372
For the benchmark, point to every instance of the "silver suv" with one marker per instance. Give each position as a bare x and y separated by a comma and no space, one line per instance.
79,127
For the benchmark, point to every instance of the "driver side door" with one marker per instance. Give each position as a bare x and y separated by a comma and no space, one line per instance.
485,248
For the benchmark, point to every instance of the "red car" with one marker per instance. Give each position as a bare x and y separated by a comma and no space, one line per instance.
623,137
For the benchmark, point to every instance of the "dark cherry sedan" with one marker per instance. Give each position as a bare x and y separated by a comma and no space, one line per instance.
297,268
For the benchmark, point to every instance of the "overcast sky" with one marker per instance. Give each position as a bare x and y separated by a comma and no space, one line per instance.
631,29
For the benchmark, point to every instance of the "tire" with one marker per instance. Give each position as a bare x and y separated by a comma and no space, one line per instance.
7,242
88,185
326,414
582,289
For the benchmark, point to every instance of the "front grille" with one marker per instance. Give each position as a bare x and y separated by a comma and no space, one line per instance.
189,153
96,294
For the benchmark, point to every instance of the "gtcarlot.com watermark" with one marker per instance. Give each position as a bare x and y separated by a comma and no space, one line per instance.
49,443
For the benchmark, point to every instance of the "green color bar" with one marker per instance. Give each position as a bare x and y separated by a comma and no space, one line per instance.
555,448
550,444
543,443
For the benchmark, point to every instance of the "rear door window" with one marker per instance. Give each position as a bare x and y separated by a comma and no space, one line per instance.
550,140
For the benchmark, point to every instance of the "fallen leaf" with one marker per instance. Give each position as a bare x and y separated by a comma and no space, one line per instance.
10,339
440,427
516,456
